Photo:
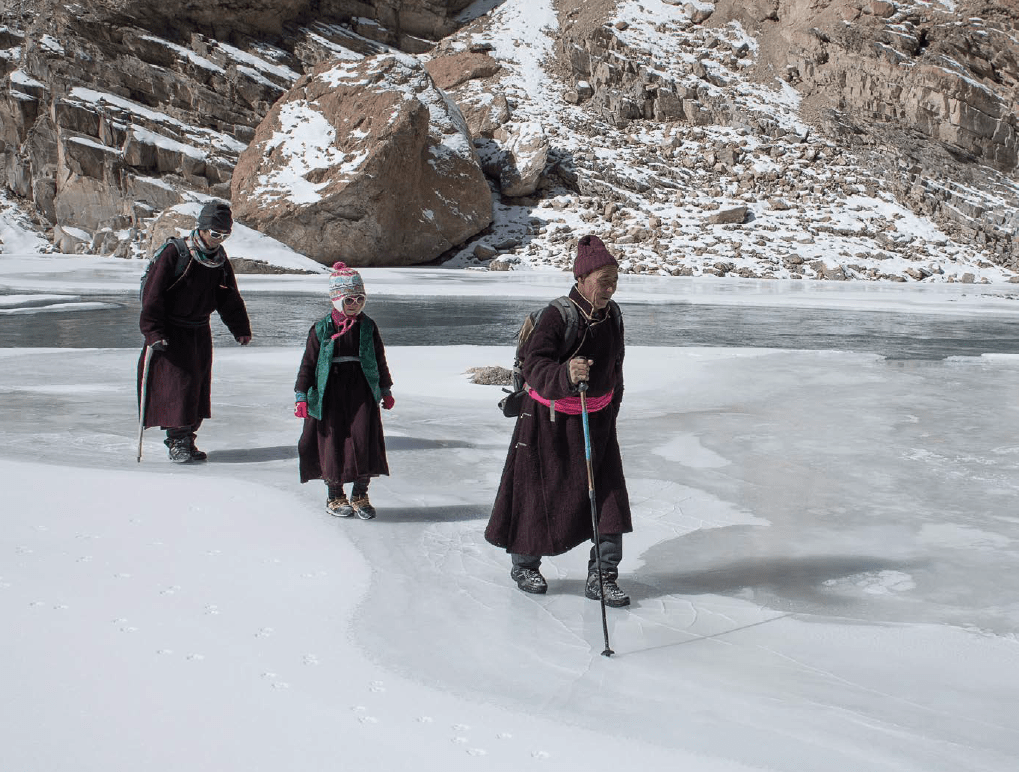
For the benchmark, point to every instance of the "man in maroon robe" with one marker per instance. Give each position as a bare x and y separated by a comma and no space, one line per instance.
543,506
176,306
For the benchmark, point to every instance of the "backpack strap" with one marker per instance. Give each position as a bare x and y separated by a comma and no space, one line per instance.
183,255
571,317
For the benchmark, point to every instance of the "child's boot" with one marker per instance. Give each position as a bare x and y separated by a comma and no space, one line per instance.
359,501
337,504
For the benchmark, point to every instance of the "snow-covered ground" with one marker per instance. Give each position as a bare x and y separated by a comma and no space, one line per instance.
823,568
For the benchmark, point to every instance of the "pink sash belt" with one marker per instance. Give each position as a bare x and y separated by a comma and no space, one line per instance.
571,405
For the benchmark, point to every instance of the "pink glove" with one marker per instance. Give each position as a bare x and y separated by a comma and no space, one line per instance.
388,402
301,409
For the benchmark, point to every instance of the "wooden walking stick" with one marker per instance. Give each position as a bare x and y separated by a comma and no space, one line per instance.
143,399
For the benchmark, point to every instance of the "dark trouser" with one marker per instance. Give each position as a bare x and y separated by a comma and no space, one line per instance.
360,487
182,432
610,544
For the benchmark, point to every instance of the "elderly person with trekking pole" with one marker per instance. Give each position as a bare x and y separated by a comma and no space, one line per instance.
187,280
563,479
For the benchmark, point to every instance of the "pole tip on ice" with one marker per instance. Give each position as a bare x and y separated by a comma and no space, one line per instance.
607,653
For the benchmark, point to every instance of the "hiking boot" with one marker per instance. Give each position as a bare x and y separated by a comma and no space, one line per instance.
339,506
362,507
179,450
529,580
613,595
196,454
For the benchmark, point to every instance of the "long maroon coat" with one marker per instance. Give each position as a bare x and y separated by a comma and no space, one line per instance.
177,310
348,442
543,506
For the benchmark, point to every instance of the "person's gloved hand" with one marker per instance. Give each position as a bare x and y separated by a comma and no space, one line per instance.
388,402
301,409
244,340
160,345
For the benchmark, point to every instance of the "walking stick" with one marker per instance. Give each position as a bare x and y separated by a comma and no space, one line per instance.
143,400
582,386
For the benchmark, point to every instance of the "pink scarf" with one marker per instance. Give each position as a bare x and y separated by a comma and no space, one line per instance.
342,322
571,405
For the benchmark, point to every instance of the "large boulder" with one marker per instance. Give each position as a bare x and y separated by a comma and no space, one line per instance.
364,161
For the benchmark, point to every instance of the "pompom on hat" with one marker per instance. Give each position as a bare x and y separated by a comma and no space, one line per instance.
591,255
344,281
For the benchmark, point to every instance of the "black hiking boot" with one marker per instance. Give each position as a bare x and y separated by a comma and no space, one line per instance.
529,580
613,595
179,450
182,450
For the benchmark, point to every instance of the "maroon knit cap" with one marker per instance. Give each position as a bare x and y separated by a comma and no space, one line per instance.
591,255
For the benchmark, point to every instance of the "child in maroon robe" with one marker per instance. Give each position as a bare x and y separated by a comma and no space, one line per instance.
342,379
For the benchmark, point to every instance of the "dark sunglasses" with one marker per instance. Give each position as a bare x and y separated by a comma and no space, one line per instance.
353,300
219,234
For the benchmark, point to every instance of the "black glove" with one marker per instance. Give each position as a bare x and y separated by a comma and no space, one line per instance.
160,345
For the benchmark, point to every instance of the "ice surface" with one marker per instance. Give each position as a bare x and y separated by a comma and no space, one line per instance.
823,569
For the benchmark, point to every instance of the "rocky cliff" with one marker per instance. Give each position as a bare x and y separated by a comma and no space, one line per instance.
671,127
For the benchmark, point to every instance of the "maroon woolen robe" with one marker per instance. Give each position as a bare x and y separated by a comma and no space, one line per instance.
543,505
177,310
348,442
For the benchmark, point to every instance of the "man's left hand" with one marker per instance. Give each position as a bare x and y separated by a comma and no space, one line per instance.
244,340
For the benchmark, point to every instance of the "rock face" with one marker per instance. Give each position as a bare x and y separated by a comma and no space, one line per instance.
113,110
928,101
365,162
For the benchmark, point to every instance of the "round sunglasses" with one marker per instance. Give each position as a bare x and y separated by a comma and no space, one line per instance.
353,300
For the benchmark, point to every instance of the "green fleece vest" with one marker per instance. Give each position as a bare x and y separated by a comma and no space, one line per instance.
324,330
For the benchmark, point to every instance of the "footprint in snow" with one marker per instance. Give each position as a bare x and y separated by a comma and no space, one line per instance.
377,686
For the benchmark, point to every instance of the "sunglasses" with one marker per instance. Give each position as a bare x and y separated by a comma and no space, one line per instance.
219,234
353,300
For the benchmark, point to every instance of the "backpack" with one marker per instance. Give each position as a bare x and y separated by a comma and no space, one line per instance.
183,258
512,403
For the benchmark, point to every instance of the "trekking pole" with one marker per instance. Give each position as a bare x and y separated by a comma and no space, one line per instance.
582,387
142,401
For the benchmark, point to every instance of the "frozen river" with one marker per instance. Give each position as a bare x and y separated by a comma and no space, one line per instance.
824,565
282,319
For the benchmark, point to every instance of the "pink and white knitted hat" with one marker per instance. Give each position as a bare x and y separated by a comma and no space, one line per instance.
344,281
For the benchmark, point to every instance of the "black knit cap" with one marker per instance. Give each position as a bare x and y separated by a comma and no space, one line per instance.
216,216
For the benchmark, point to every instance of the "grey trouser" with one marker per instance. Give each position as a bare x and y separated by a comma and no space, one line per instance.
610,544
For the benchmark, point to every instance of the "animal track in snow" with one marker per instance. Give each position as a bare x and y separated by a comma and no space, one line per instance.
377,686
274,681
364,718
